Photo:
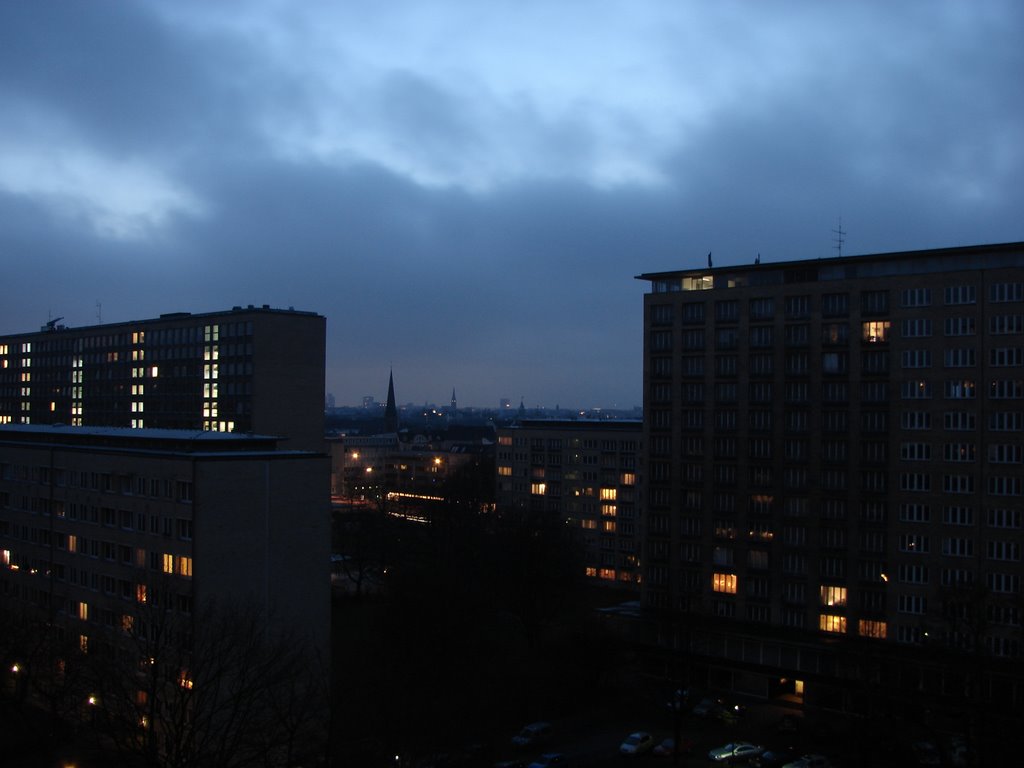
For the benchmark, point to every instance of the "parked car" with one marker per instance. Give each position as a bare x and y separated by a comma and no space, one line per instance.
636,744
926,753
809,761
550,760
773,758
736,750
667,748
730,713
533,734
788,723
706,708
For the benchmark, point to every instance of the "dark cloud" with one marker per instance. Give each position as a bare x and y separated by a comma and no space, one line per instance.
481,227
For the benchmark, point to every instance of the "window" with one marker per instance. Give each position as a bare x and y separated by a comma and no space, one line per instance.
1004,486
693,312
875,331
796,335
726,365
959,421
916,297
954,515
832,623
762,308
961,294
1003,421
915,327
761,336
538,489
834,362
168,563
835,305
1002,550
958,483
915,451
915,513
692,338
869,628
912,573
798,306
724,582
726,338
874,302
960,326
960,357
915,358
914,543
1005,292
915,389
953,546
661,314
833,597
915,420
1006,357
1006,324
911,604
1006,389
1004,518
960,389
835,333
185,566
959,452
727,311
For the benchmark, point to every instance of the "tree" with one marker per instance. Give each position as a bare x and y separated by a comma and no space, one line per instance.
217,689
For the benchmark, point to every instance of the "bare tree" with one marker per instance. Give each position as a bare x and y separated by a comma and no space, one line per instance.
217,689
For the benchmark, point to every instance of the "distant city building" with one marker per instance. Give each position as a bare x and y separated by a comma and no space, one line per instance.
250,369
833,453
585,473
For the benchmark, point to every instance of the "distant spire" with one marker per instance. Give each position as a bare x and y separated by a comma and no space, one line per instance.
709,259
391,410
454,405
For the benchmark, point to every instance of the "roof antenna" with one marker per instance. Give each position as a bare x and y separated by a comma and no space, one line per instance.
840,237
99,312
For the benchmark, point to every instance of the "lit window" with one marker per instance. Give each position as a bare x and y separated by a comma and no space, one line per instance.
608,510
140,593
185,566
628,478
608,494
867,628
127,622
505,471
724,582
607,573
608,526
168,563
831,623
83,611
875,330
833,596
538,489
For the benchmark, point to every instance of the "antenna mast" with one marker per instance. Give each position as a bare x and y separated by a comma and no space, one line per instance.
839,237
99,312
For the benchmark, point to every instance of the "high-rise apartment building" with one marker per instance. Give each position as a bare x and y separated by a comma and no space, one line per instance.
582,472
252,369
96,522
835,486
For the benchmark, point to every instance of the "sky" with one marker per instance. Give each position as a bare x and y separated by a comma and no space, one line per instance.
466,190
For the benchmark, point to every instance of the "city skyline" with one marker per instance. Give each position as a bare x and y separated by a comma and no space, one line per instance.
467,193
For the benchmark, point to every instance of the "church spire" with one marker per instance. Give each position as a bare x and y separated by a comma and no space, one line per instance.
391,410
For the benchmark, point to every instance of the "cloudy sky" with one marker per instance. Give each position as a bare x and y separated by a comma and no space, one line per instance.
467,188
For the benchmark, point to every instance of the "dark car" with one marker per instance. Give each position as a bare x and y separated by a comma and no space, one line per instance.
773,758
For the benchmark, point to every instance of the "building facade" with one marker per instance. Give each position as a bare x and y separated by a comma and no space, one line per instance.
252,369
96,523
585,472
834,473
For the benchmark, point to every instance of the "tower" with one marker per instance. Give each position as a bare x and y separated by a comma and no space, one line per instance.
391,410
